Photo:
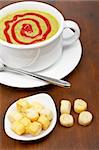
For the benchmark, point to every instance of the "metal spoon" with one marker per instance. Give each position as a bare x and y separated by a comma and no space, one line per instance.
57,82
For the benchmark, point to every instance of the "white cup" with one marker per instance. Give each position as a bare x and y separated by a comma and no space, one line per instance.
39,55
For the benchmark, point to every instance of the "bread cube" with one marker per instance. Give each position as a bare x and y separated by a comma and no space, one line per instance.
37,106
18,127
25,121
65,107
32,114
47,113
35,128
66,120
44,121
15,116
79,105
85,118
22,104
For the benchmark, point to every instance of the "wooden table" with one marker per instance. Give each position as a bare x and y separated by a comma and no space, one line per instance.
85,85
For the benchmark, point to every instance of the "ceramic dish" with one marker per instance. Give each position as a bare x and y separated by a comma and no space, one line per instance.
42,98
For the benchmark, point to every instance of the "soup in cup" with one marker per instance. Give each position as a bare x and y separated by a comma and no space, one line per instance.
33,36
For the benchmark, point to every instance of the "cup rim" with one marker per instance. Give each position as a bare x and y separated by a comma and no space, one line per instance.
39,44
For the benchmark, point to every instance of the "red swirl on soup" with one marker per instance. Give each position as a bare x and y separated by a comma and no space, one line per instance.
28,27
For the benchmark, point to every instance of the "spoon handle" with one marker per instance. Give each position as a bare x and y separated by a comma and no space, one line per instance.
54,81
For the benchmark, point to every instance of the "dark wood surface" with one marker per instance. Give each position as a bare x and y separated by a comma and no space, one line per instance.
85,84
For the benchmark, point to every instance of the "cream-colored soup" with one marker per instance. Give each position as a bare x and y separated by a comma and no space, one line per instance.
28,27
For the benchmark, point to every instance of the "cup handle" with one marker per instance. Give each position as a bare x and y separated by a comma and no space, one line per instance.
74,26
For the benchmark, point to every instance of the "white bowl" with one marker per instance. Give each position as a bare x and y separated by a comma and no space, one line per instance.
44,99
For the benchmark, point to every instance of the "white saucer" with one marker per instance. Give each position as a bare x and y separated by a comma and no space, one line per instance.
67,63
45,100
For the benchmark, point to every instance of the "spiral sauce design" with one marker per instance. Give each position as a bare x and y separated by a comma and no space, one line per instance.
27,22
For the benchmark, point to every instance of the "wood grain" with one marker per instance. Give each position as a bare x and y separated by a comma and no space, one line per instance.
85,84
